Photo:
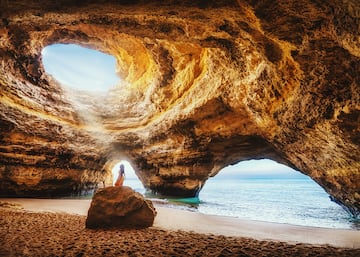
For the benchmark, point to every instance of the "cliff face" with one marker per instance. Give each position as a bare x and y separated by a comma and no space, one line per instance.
204,84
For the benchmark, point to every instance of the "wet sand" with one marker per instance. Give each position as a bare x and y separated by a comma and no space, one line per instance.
41,227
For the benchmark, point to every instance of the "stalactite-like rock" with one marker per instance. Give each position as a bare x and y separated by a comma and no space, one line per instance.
204,84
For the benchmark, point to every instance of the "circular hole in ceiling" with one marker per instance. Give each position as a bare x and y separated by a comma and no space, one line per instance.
80,68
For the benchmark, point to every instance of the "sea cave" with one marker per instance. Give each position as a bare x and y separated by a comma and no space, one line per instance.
204,84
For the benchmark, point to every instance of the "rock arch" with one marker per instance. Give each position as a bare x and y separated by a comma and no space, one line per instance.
205,85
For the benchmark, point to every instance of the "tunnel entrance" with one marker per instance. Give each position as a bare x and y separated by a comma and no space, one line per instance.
131,179
264,190
80,68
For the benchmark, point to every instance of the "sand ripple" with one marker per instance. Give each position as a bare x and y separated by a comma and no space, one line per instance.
26,233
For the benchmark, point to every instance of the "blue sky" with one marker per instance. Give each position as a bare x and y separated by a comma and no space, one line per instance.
264,168
86,69
80,68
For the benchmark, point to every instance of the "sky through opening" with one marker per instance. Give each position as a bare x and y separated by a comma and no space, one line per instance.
80,68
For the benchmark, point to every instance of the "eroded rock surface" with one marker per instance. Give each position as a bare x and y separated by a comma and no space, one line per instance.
204,84
120,207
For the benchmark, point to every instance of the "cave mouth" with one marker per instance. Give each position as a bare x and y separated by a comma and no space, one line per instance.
131,179
265,190
80,68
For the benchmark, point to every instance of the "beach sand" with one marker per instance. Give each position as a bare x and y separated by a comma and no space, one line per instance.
43,227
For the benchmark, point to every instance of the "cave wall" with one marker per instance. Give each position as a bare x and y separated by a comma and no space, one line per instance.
204,84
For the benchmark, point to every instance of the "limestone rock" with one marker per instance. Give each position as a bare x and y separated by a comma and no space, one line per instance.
120,207
205,84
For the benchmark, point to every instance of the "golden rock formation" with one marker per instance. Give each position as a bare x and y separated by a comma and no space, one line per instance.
204,84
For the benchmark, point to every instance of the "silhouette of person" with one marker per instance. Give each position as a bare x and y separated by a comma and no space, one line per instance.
120,180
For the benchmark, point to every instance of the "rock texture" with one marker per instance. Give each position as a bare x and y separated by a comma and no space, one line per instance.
120,207
204,84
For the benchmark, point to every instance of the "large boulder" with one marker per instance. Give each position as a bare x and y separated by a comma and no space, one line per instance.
120,207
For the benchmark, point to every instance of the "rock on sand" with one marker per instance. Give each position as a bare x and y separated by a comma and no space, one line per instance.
120,207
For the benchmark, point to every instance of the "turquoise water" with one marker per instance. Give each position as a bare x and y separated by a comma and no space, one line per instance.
298,201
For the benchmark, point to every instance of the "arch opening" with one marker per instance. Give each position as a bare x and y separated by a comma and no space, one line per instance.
264,190
131,179
80,68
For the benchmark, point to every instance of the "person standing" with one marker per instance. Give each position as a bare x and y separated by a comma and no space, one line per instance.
121,177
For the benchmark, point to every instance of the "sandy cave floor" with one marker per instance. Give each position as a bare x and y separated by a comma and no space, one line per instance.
26,233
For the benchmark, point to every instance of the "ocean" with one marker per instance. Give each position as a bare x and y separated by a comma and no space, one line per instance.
296,201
